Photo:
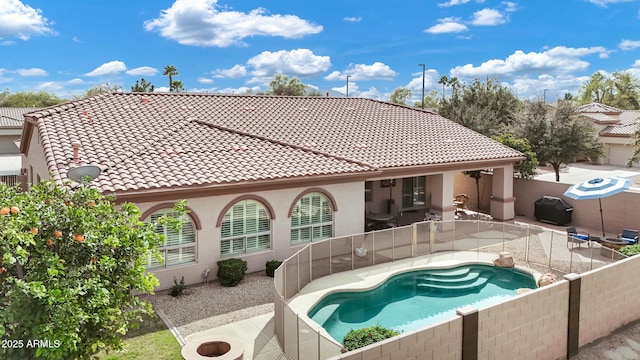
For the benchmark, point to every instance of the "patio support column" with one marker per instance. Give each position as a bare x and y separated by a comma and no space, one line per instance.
502,200
442,195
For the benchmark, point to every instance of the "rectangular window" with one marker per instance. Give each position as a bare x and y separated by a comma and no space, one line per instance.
414,192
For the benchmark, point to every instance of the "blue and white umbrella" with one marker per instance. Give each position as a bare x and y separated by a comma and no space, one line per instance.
598,188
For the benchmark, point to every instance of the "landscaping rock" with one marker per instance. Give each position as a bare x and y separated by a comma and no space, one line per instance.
547,279
505,260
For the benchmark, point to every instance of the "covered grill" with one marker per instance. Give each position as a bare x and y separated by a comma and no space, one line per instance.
553,210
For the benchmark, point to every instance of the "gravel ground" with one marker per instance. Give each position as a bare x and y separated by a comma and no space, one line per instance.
212,305
209,306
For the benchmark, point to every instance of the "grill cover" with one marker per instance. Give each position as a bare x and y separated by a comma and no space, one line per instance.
553,210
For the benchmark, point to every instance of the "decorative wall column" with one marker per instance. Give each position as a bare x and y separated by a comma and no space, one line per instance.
441,186
502,200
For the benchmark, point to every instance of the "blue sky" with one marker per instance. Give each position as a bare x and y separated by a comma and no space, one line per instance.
230,46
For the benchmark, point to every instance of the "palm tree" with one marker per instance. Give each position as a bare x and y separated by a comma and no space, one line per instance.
444,80
170,70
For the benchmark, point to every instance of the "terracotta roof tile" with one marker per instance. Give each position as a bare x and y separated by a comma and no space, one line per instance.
13,117
166,140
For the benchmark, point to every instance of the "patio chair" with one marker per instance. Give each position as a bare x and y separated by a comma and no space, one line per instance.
573,236
629,235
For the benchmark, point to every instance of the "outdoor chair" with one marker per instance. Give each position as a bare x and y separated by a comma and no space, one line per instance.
629,235
575,237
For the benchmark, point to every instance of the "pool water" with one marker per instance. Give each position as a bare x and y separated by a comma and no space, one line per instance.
416,299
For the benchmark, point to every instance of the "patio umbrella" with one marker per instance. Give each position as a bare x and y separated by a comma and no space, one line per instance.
598,188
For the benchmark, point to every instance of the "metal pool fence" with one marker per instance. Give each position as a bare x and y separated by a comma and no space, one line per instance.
541,249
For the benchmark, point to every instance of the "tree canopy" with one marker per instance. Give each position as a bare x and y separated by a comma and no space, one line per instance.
171,71
142,85
526,169
557,137
486,107
621,90
284,85
29,99
400,96
99,89
69,263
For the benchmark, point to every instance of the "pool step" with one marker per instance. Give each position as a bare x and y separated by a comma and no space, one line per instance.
478,283
455,280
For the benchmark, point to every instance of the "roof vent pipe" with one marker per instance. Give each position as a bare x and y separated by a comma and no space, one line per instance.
76,152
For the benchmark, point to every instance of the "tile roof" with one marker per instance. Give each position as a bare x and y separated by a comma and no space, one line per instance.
160,140
627,126
597,108
12,117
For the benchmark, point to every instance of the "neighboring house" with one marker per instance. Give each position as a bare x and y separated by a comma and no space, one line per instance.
11,119
615,129
263,175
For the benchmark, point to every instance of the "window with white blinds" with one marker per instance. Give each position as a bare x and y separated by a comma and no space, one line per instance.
312,219
179,246
246,227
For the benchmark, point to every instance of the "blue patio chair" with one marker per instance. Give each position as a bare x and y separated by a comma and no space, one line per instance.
629,235
573,236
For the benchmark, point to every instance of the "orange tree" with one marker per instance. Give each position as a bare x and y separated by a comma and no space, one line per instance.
70,262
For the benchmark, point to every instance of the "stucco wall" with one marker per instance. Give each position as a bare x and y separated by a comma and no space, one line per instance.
620,211
7,145
36,159
348,219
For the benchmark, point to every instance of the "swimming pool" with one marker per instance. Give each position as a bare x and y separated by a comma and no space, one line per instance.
416,299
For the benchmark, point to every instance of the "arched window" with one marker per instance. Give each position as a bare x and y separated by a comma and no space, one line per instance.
311,219
246,227
180,246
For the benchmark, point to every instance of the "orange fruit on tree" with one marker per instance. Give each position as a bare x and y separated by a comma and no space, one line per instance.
34,230
78,237
92,203
3,270
5,211
49,242
57,233
15,209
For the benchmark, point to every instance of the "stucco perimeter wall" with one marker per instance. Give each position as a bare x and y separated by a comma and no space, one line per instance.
348,219
608,299
530,326
441,341
620,211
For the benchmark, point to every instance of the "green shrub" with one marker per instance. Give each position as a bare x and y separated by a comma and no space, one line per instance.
231,271
366,336
177,289
271,267
631,250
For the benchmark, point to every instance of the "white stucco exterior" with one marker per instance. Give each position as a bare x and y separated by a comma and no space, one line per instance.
348,219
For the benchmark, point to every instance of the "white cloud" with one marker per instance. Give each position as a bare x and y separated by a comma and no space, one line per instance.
299,63
431,78
22,21
558,60
204,23
510,6
447,25
453,3
32,72
352,19
142,71
488,17
237,71
110,68
635,64
50,86
203,80
629,44
76,81
557,86
604,3
375,71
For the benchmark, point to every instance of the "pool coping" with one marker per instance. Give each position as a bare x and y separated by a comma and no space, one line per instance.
367,278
